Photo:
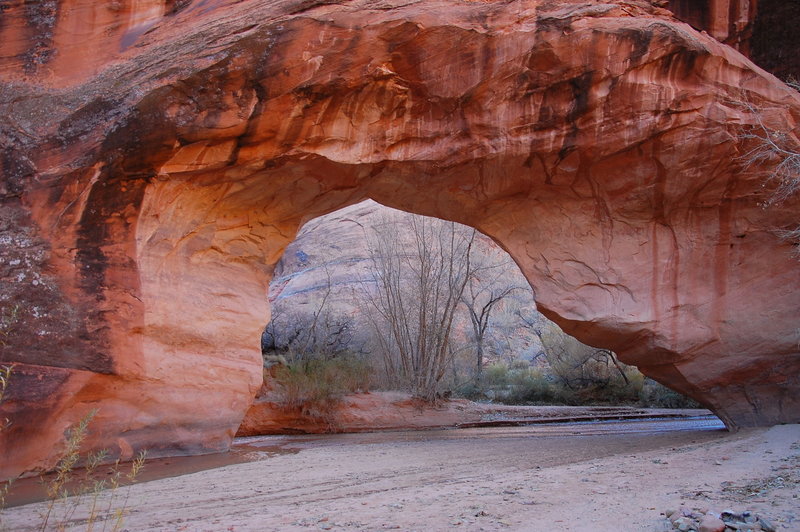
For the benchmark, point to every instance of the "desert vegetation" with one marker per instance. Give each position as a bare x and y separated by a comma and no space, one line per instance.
782,149
432,308
314,385
412,296
82,490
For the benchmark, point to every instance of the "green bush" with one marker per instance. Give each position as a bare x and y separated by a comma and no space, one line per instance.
516,384
519,384
531,386
316,384
495,375
656,395
470,390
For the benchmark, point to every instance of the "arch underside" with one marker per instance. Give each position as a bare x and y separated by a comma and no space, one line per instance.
601,148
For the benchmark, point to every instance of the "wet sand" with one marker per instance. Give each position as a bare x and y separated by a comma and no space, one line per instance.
422,424
581,476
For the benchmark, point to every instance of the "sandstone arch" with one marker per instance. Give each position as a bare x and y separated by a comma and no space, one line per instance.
598,143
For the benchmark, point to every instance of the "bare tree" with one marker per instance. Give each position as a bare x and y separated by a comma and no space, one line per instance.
412,296
578,365
299,335
781,149
486,287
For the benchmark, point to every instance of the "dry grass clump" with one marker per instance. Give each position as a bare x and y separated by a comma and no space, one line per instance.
5,377
73,490
315,385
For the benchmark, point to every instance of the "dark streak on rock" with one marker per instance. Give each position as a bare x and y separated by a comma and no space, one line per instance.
174,7
103,225
48,330
641,44
680,64
42,16
554,24
100,112
16,169
5,6
580,85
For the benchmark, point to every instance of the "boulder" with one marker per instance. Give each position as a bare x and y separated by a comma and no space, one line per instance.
709,523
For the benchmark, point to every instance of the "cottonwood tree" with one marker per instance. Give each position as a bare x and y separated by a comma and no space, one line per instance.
420,269
297,335
487,286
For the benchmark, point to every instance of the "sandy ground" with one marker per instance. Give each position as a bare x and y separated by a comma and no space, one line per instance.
603,476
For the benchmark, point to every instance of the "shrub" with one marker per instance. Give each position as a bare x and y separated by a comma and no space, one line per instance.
470,390
315,385
495,375
531,386
656,395
5,377
519,384
66,492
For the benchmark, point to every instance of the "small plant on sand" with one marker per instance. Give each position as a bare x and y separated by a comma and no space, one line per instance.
5,377
67,492
56,489
71,489
116,515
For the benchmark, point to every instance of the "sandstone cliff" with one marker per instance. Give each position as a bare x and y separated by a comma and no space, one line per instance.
156,161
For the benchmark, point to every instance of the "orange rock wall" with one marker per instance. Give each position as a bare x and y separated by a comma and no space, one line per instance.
148,191
67,41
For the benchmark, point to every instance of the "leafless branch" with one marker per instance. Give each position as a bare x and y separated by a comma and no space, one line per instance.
780,150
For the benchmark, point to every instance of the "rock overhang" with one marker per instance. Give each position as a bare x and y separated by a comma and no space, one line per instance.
600,144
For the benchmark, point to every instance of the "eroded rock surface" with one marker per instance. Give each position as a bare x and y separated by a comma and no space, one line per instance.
148,190
728,21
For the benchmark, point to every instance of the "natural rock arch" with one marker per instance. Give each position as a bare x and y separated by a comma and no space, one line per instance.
600,144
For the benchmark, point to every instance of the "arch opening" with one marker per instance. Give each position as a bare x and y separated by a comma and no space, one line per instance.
347,299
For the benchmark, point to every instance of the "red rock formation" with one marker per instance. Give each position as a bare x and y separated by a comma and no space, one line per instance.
767,31
149,188
361,412
776,38
729,21
62,41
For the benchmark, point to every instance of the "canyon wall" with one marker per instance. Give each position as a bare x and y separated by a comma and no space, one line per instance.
153,172
728,21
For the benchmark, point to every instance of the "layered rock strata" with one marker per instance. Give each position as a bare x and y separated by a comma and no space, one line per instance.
148,188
